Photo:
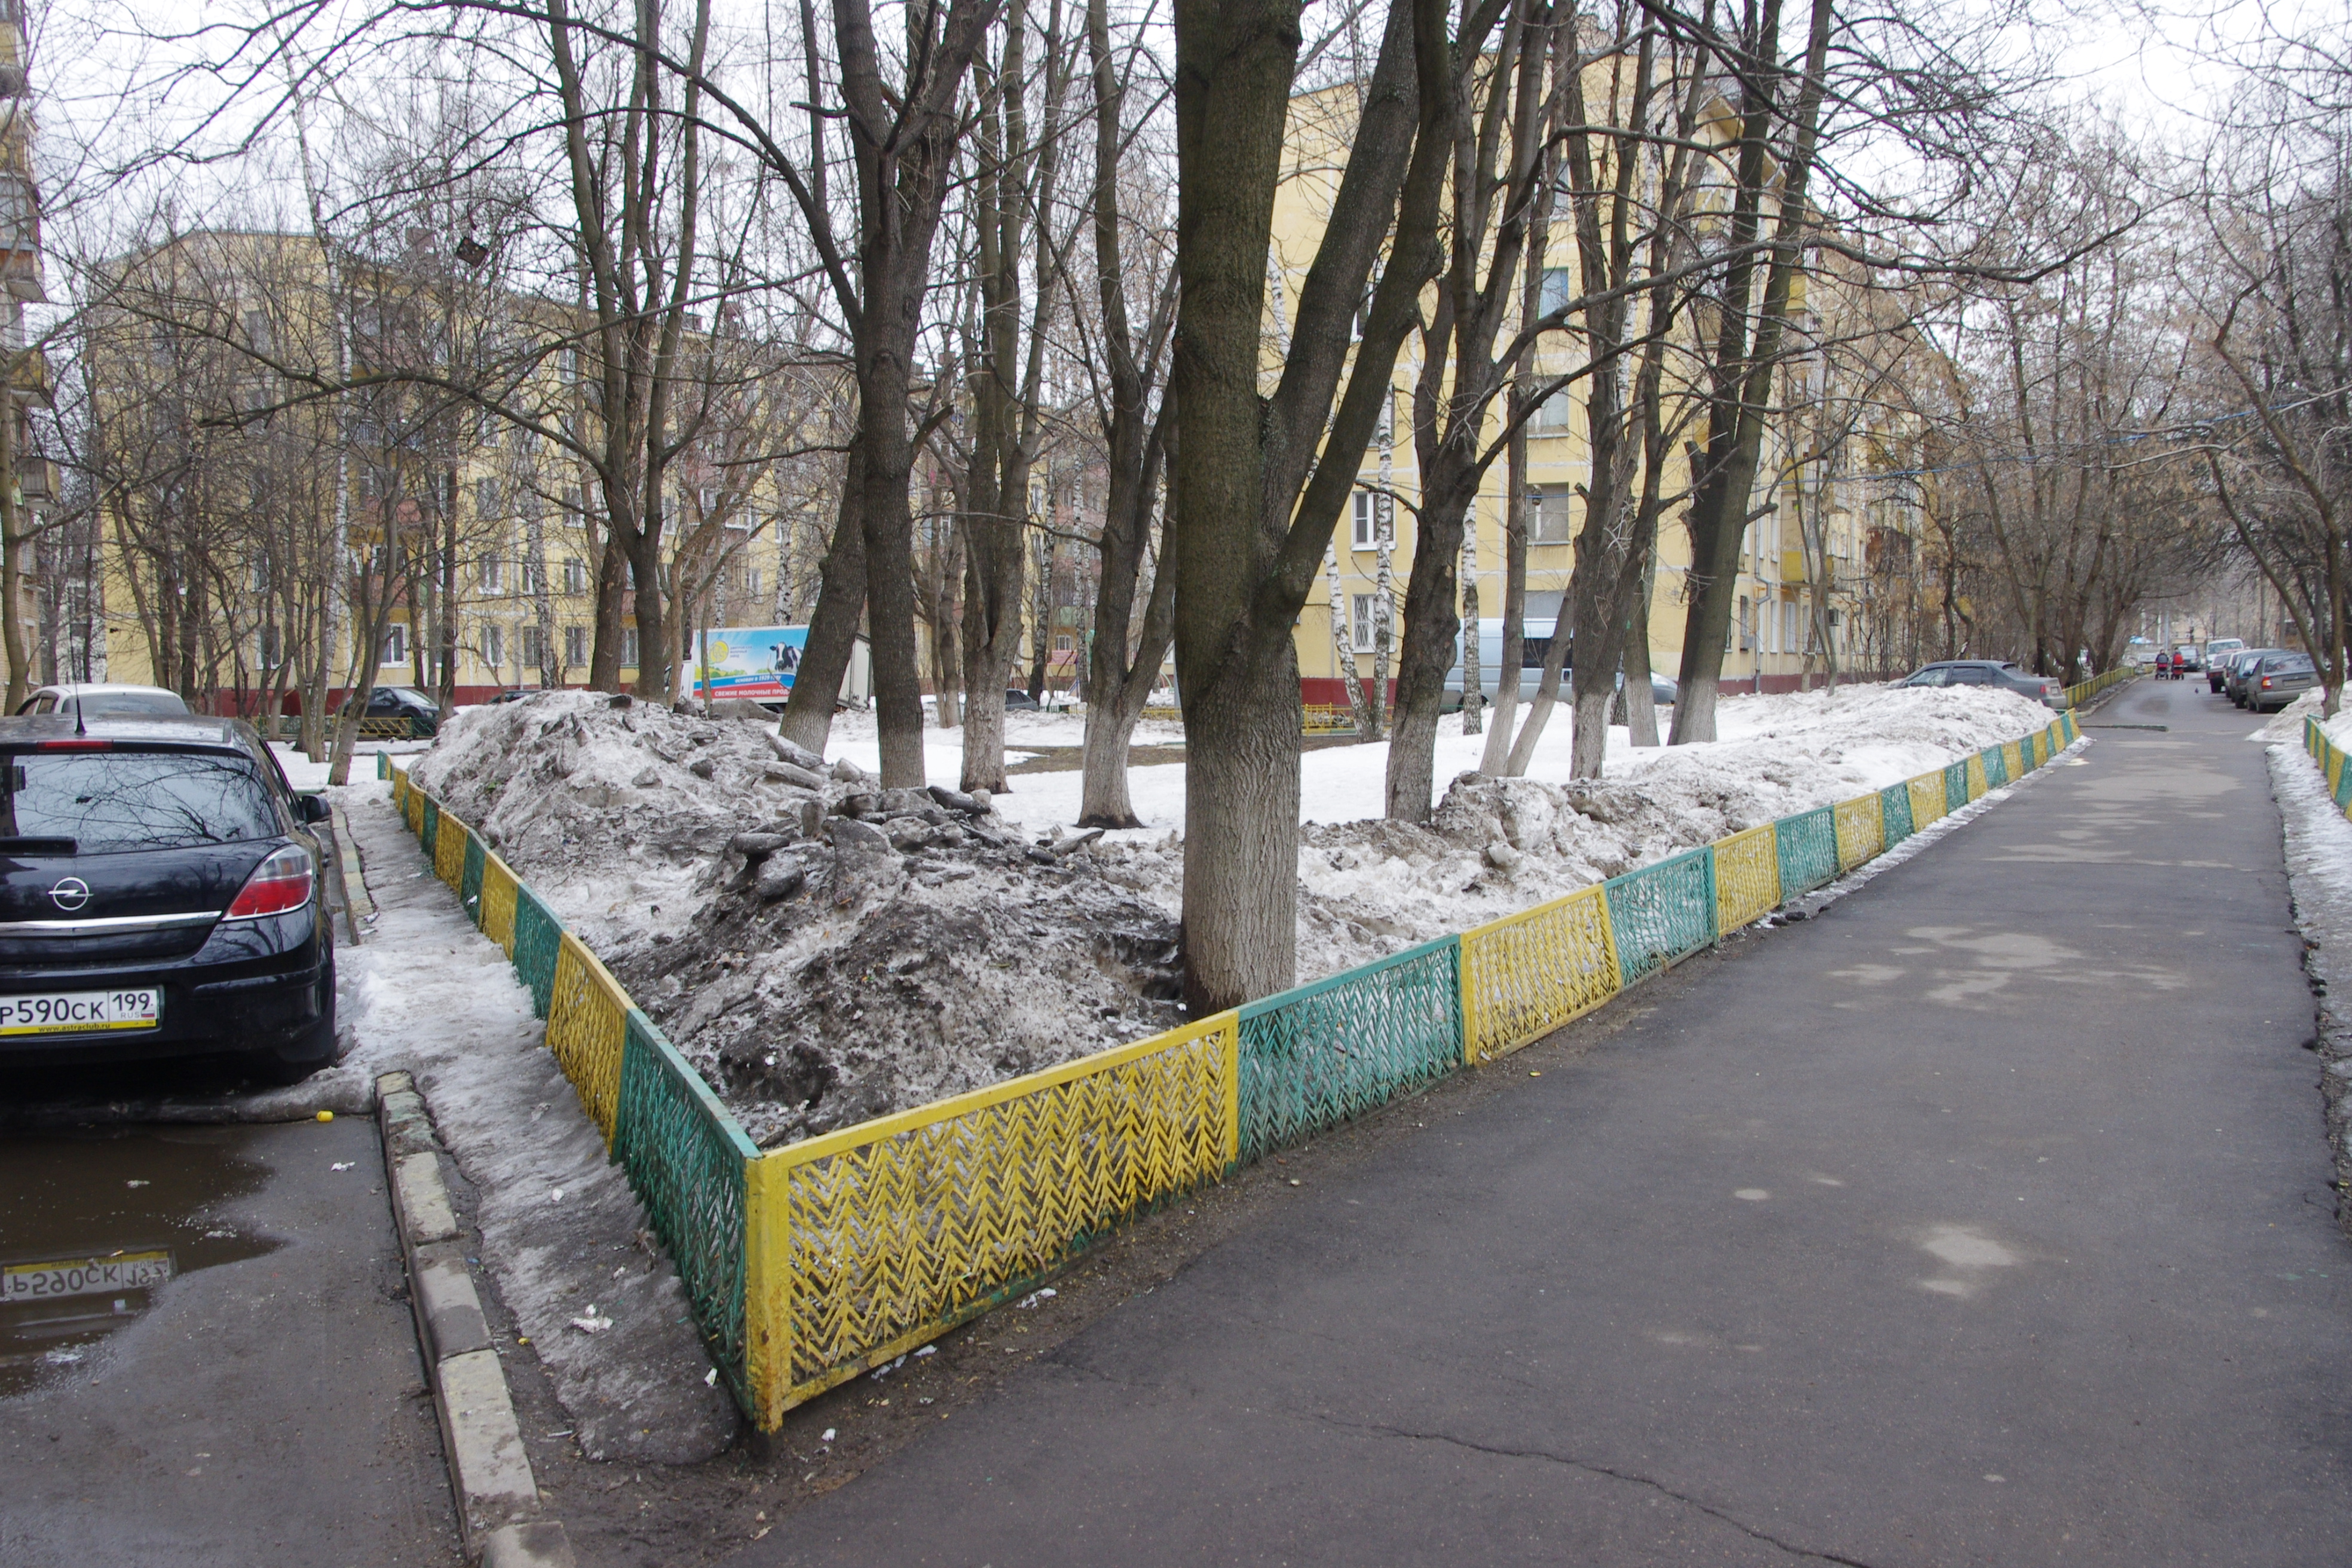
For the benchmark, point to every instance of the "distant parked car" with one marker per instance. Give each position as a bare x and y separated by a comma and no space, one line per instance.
101,697
1534,647
1016,699
1989,672
2278,679
2185,656
423,715
2217,658
2241,664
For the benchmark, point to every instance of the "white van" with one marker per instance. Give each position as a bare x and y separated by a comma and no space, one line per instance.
1535,645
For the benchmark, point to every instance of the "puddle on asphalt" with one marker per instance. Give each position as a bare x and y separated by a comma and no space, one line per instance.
95,1226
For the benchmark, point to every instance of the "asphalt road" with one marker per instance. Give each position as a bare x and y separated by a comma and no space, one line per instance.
263,1403
1986,1220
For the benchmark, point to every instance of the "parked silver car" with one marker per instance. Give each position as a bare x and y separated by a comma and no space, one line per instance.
2280,679
2241,664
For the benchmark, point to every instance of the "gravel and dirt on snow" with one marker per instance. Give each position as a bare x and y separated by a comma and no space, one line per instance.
825,950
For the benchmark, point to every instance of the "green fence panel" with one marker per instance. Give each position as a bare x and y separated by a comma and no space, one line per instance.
1809,854
537,933
1325,1053
429,833
469,887
383,765
2343,784
1996,769
1956,787
1894,806
1664,913
684,1156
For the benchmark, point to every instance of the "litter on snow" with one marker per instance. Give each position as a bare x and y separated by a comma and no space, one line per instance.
337,1165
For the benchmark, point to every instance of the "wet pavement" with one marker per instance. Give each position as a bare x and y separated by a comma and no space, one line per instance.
206,1353
1988,1220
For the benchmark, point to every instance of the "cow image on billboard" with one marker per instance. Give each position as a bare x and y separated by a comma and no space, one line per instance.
755,664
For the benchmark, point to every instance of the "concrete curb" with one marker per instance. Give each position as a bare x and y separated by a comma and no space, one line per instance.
489,1471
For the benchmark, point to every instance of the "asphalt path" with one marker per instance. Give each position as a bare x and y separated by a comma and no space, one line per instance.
1986,1220
265,1403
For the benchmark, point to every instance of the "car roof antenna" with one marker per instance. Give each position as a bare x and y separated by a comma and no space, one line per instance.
79,730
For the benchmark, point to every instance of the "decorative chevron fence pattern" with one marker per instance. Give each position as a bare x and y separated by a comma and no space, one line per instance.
810,1264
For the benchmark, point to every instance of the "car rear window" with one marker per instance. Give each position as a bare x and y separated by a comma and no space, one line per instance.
2292,664
109,801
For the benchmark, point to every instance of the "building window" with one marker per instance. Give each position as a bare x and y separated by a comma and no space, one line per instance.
1548,519
534,577
269,649
1552,415
1554,291
1746,626
395,644
533,655
485,498
1360,621
575,575
575,646
494,575
1367,520
628,648
1062,643
755,582
494,648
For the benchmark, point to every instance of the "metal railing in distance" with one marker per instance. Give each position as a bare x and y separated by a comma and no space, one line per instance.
1526,974
1746,877
863,1242
1663,913
809,1264
1895,814
2082,691
1327,1052
1809,852
1860,830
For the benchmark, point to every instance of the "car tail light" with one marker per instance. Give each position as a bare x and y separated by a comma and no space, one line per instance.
2266,683
79,743
280,883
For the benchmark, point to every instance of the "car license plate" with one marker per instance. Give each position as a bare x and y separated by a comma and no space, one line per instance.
81,1012
83,1277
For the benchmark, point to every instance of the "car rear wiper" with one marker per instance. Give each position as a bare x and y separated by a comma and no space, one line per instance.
35,844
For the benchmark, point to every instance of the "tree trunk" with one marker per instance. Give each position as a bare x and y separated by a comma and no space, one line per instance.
833,628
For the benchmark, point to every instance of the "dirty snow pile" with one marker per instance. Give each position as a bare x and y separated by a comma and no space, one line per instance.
825,950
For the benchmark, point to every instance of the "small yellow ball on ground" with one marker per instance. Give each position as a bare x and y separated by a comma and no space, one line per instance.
326,1116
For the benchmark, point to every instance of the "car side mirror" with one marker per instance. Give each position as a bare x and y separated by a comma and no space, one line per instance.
312,808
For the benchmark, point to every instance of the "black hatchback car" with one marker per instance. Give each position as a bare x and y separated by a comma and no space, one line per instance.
159,896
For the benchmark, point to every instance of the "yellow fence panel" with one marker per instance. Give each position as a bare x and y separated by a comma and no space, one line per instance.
1978,784
2334,769
1860,830
2015,760
1926,800
1747,877
1526,974
450,851
865,1243
498,902
587,1018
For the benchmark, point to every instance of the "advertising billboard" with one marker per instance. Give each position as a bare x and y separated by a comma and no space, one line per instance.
755,664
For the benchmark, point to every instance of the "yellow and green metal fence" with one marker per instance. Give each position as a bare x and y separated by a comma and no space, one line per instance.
2082,691
2330,758
810,1264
